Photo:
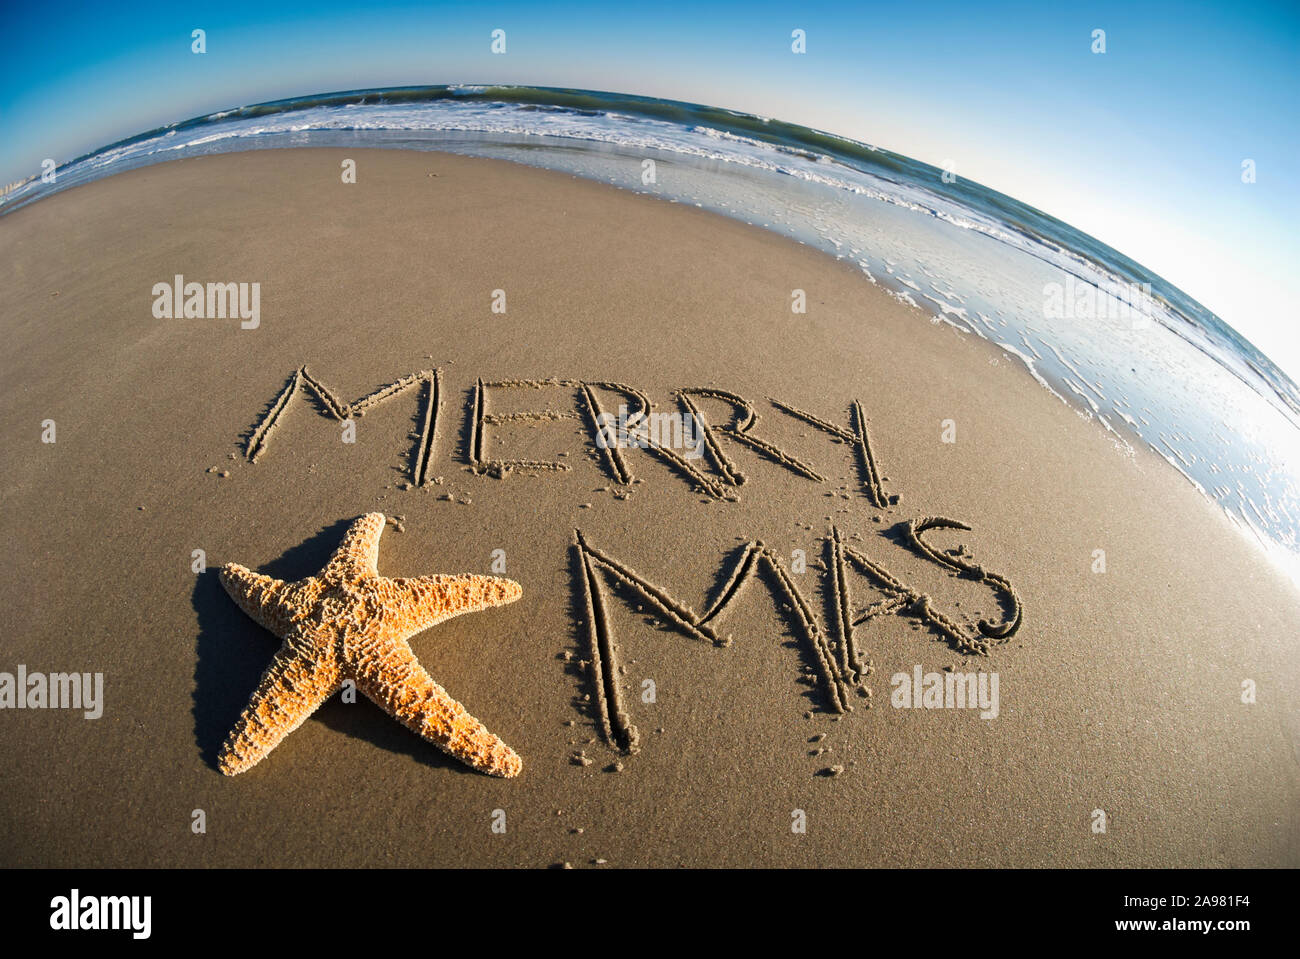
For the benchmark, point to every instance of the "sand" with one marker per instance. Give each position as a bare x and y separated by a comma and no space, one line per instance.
1120,691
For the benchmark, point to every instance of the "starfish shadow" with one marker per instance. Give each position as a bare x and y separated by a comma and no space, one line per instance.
233,651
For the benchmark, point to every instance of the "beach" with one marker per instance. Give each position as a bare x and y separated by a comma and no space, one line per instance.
1150,675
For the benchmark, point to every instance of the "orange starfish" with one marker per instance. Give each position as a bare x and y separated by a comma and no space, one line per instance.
348,622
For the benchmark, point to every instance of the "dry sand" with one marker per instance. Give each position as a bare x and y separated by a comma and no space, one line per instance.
1121,691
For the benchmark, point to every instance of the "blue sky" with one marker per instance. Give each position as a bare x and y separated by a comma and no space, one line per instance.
1141,146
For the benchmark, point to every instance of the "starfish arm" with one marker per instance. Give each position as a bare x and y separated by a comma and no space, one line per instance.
298,680
261,597
358,555
418,603
397,682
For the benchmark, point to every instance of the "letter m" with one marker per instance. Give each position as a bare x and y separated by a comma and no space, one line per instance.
331,406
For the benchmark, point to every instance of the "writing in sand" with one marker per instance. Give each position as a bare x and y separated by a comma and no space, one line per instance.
692,447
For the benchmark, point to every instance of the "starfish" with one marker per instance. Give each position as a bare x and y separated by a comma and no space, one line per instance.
350,623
